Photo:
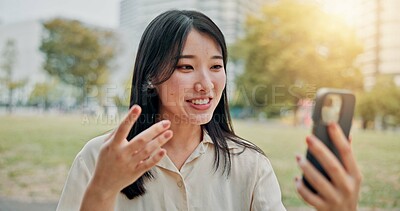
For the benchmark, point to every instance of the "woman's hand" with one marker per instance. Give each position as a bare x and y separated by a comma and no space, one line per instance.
120,163
342,192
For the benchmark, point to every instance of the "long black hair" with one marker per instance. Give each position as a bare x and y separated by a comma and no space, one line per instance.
159,49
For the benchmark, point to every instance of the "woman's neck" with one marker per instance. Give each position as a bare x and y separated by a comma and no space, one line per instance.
185,136
185,139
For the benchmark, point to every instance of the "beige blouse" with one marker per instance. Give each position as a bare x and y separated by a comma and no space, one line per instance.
251,185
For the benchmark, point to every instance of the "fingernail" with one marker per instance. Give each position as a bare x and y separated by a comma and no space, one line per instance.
165,123
167,135
162,152
134,107
297,181
298,158
332,126
309,141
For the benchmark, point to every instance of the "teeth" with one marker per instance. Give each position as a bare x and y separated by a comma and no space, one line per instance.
201,101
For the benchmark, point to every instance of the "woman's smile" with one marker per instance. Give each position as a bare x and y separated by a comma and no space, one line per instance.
200,103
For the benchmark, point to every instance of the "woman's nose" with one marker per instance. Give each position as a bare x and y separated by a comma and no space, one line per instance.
204,84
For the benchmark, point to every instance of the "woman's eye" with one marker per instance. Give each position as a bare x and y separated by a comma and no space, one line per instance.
184,68
217,67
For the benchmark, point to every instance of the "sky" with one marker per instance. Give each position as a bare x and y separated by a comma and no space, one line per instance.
345,9
99,12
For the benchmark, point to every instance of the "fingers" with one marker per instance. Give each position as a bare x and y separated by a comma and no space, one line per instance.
151,153
344,148
110,136
307,195
328,161
152,147
123,129
139,141
316,179
152,161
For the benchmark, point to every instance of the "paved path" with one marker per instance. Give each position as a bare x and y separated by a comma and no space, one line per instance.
14,205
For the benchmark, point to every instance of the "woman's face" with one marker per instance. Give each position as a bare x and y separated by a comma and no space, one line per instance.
194,90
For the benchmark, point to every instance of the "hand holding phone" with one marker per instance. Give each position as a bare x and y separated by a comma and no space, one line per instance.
334,177
331,105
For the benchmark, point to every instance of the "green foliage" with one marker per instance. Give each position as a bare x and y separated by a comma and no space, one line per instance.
366,108
383,101
76,54
290,50
122,101
9,56
44,94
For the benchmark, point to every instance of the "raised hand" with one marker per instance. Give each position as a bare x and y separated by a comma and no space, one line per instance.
342,192
120,162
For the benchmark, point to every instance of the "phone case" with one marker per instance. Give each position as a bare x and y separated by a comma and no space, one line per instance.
344,119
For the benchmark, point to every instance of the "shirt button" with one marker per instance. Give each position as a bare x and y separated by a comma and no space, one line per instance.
180,184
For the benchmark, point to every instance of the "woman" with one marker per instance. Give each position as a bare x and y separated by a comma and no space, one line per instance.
176,149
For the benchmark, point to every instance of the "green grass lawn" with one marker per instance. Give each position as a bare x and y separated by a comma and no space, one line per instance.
36,152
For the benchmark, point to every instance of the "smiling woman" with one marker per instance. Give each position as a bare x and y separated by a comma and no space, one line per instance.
176,149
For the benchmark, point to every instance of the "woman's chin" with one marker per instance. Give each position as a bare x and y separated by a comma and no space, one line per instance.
201,119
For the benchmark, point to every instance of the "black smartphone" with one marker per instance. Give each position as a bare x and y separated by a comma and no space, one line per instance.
331,105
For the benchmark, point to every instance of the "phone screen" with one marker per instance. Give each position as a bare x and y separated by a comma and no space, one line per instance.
331,108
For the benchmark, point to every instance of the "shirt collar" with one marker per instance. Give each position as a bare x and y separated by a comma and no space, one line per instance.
207,140
166,163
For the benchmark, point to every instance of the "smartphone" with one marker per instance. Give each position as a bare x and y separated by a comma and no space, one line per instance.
331,105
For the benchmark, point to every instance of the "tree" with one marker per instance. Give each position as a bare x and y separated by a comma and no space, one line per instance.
9,58
382,101
122,100
290,50
367,109
78,55
42,94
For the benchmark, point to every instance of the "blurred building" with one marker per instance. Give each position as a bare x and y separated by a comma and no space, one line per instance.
378,26
229,15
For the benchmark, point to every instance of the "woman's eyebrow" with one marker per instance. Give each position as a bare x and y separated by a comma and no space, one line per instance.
193,56
186,56
217,57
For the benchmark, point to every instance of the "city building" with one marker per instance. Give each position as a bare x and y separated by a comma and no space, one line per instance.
229,15
378,26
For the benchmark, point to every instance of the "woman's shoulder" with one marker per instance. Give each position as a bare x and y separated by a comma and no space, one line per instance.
247,155
91,150
250,165
93,145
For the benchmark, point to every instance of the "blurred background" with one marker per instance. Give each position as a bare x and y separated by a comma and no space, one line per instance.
66,67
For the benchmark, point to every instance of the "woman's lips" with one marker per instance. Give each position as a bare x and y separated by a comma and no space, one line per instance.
200,103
